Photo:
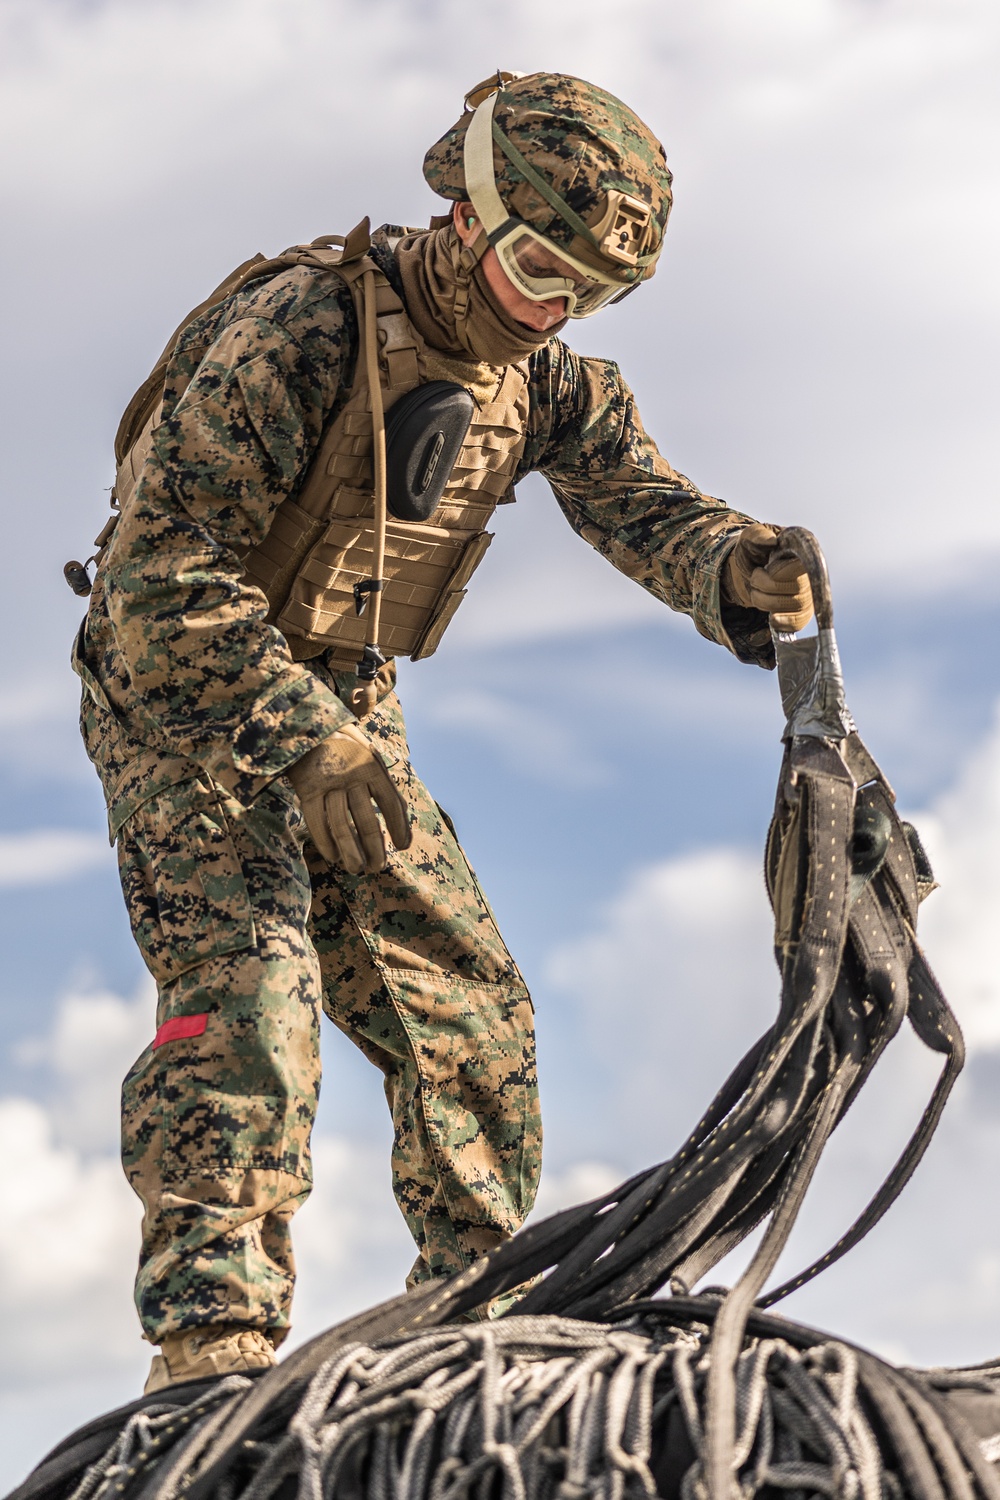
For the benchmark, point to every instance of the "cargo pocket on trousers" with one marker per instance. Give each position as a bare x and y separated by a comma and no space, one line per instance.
208,1133
183,882
473,1048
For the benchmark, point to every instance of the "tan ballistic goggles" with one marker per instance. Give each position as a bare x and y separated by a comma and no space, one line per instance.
536,266
541,270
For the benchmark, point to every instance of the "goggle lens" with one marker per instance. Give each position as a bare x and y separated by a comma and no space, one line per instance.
541,273
539,265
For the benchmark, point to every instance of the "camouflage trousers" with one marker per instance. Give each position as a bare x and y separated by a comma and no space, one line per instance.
249,934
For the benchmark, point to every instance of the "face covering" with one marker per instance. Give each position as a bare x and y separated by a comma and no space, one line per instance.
452,305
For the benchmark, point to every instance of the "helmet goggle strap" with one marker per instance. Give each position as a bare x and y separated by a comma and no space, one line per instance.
517,244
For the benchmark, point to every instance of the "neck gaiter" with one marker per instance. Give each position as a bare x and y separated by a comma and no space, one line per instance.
452,305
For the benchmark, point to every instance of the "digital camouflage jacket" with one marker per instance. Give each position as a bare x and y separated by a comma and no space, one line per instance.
182,672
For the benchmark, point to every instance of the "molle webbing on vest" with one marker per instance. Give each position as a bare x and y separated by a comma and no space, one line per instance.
322,541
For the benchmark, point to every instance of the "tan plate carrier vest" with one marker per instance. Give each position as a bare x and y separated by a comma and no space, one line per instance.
322,541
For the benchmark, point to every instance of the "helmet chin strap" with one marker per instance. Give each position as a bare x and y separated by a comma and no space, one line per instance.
465,259
479,323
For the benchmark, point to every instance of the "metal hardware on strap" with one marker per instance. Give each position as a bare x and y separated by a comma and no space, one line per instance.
371,660
362,589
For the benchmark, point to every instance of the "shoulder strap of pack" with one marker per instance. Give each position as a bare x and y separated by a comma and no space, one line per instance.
328,252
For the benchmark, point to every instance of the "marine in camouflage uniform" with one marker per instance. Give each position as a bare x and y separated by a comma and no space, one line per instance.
198,712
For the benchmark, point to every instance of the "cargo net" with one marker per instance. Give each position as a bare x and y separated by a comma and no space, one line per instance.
547,1408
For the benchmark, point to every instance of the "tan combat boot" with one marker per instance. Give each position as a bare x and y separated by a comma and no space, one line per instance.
204,1353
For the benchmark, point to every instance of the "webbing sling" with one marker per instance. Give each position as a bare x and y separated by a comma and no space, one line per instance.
324,253
328,252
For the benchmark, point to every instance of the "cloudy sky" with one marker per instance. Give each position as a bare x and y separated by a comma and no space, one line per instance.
819,347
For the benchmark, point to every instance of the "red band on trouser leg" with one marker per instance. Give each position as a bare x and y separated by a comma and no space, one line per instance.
180,1026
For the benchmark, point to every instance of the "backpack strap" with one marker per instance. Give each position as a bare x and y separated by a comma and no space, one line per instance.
328,252
143,403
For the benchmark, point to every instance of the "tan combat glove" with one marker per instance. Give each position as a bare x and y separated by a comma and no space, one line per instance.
754,577
337,784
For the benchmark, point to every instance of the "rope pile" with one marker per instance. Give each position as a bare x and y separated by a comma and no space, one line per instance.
149,1434
560,1409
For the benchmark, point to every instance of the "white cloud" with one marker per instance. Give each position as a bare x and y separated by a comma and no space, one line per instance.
47,855
67,1251
69,1232
351,1243
28,704
80,1063
673,985
528,740
576,1184
38,721
960,924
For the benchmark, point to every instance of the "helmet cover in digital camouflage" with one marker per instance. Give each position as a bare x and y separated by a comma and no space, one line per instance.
589,150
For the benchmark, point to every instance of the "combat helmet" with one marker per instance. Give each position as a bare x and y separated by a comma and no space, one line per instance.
555,164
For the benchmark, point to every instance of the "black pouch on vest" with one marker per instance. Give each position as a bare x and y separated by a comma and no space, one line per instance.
424,431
